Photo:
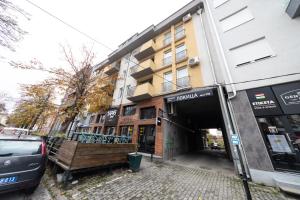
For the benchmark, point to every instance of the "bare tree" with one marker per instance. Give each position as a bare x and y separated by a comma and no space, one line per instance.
10,32
81,89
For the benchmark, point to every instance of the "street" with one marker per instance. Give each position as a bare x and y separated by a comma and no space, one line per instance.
41,193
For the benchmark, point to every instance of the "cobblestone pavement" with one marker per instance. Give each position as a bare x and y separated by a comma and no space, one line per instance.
41,193
165,181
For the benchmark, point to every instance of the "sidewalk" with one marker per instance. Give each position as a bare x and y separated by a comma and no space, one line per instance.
165,181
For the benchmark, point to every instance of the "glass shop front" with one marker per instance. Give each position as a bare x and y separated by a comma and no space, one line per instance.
277,111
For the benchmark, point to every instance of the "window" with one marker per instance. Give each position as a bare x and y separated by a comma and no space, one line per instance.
218,3
182,78
179,32
102,118
129,110
19,148
126,131
98,118
167,84
120,92
167,60
110,130
148,113
236,19
282,139
180,52
167,38
92,119
251,52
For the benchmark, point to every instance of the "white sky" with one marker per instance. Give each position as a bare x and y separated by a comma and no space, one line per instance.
110,22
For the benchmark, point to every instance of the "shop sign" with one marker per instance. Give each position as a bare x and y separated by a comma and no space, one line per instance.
288,96
263,102
191,95
111,117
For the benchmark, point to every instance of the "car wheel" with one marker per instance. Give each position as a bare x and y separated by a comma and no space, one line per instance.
31,190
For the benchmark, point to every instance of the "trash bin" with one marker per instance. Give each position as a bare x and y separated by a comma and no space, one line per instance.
134,161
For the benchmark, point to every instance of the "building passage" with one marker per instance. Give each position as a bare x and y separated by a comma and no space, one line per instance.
195,131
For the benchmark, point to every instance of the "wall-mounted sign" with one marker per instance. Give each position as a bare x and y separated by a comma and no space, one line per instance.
288,96
111,117
263,102
190,95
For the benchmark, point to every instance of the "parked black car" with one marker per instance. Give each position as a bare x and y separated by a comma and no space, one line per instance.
22,162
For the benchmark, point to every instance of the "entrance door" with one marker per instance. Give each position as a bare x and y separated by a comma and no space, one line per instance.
147,138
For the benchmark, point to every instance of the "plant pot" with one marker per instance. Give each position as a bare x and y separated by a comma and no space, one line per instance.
134,161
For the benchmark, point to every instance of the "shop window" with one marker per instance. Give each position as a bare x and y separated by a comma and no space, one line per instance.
129,110
126,131
282,139
110,130
148,113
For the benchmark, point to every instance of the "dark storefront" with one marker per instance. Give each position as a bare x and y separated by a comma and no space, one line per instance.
277,110
111,121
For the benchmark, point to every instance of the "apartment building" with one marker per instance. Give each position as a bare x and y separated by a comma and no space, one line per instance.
255,45
223,64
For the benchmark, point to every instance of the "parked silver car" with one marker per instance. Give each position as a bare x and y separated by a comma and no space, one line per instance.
22,162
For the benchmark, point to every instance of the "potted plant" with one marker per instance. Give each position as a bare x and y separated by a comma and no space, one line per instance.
134,160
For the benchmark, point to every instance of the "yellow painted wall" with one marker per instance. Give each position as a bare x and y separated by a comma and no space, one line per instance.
190,42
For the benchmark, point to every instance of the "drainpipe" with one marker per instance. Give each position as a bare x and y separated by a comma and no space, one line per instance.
222,52
226,104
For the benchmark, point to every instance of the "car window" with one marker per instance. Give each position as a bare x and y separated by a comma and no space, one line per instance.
19,148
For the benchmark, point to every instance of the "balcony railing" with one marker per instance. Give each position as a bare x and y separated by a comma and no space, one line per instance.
167,86
183,82
180,34
167,41
167,61
181,55
130,91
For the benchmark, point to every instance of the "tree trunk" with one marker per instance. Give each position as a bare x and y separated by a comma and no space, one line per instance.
66,123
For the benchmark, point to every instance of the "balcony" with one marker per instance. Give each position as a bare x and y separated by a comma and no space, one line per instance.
142,92
143,69
180,56
180,34
113,68
183,82
146,50
167,87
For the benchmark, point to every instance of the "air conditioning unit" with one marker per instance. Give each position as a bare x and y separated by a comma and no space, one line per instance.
187,17
193,61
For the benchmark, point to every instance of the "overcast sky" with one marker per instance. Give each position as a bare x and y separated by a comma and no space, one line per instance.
110,22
